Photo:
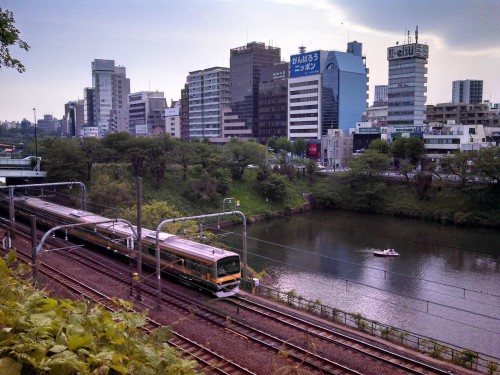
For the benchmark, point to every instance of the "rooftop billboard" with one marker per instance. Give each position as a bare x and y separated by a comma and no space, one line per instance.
408,51
305,64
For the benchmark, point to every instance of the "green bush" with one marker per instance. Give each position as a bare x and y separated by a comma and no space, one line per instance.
45,335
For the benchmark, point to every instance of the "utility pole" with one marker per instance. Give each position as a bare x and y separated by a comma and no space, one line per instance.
139,237
36,141
33,249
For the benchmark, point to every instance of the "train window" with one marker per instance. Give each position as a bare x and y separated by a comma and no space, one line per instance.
228,266
181,261
196,266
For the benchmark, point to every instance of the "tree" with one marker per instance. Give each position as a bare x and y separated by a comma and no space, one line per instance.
93,152
299,147
117,144
310,168
487,163
204,154
138,154
63,160
371,163
460,165
274,187
411,149
366,187
183,155
9,36
241,154
381,145
283,145
156,160
405,168
108,195
153,213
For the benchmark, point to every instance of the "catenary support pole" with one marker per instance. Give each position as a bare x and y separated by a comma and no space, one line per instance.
33,249
139,236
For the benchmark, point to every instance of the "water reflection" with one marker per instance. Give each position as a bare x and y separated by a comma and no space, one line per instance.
444,284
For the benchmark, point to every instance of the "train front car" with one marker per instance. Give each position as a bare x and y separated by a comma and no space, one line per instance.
212,268
227,275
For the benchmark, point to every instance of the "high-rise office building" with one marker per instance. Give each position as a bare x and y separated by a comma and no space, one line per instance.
326,90
73,118
380,94
88,110
147,113
407,85
273,101
184,112
245,64
111,88
208,94
469,91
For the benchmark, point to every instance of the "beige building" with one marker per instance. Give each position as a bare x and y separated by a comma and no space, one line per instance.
466,114
337,149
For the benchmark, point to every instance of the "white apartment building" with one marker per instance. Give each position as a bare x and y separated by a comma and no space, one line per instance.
304,115
441,140
209,92
173,120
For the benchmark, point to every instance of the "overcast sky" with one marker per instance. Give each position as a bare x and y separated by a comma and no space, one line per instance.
161,41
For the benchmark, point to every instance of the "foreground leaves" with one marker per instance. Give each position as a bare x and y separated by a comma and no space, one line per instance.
42,335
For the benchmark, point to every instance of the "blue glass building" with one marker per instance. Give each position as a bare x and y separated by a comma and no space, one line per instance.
326,90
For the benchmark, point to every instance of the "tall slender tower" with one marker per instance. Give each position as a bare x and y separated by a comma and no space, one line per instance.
407,83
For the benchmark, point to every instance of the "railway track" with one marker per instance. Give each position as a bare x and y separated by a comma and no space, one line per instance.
209,361
311,353
302,354
307,360
331,336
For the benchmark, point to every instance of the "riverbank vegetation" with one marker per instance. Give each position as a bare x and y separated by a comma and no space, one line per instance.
194,178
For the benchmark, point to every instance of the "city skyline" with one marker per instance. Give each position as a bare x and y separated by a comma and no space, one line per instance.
160,42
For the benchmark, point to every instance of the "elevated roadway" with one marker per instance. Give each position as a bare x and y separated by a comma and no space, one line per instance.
20,168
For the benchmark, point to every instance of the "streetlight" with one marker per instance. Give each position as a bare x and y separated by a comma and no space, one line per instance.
36,143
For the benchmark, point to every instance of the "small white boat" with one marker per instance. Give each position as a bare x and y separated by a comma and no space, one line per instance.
386,253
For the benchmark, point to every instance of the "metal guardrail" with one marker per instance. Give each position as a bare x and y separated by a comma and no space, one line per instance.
463,357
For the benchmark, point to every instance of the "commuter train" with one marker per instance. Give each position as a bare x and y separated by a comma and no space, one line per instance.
210,268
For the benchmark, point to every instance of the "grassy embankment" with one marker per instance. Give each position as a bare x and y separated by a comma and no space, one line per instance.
245,191
473,205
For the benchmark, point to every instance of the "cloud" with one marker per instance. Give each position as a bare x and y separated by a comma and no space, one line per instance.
460,24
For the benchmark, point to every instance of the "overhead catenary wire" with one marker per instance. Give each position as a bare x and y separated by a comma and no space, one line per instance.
392,303
369,267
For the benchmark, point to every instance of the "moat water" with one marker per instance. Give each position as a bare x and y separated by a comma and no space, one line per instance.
445,284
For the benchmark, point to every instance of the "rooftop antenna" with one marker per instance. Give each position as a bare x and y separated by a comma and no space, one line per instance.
416,35
302,49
